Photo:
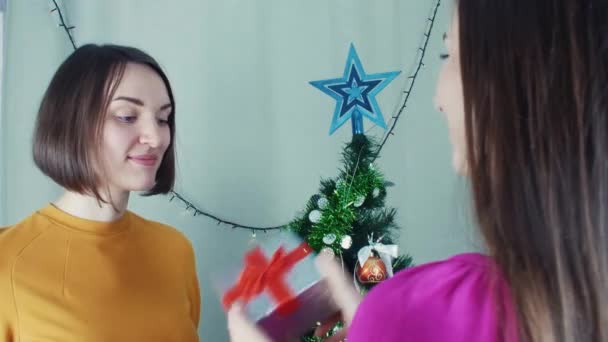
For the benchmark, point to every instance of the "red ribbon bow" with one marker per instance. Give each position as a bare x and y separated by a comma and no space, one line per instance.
260,274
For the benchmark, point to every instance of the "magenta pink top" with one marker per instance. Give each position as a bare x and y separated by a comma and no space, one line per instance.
455,300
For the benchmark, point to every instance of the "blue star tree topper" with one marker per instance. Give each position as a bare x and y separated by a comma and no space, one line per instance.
355,94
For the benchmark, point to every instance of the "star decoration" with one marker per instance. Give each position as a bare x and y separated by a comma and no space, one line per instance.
355,94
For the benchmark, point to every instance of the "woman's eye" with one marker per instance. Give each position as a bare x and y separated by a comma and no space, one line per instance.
126,118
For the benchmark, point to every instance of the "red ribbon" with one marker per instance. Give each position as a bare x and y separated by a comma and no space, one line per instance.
260,274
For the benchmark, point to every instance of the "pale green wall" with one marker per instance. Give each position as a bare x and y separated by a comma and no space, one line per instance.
246,152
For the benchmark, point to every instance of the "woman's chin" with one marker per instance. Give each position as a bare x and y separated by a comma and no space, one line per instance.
141,186
460,165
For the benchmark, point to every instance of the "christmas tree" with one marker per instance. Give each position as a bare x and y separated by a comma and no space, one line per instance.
348,218
349,212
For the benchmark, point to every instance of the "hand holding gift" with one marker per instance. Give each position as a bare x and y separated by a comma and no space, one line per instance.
342,292
280,289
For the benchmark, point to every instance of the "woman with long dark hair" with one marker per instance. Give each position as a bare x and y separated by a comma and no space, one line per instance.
524,88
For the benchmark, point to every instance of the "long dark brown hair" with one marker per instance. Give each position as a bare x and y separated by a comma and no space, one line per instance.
535,82
71,116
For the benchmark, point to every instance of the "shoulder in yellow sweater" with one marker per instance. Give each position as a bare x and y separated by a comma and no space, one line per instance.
68,279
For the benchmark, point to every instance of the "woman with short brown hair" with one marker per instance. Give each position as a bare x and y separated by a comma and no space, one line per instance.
84,268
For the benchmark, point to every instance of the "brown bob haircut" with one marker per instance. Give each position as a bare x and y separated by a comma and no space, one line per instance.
70,120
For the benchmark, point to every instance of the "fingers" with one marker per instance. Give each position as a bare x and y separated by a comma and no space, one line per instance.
344,293
241,329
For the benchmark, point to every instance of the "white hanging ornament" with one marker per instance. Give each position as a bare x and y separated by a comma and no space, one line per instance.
314,216
346,242
376,192
322,203
253,238
328,251
359,201
328,239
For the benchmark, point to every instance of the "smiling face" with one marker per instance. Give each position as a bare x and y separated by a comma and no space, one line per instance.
136,131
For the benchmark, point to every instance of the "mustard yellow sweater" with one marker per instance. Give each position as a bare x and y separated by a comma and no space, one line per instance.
64,278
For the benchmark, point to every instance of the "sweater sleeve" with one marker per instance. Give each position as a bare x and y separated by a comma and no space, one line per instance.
6,330
461,299
7,307
193,285
7,314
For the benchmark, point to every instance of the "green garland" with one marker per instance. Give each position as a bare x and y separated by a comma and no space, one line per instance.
350,206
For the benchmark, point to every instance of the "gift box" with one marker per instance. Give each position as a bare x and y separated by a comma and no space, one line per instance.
279,287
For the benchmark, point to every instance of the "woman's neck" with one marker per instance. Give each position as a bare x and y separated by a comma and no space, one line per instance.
88,207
